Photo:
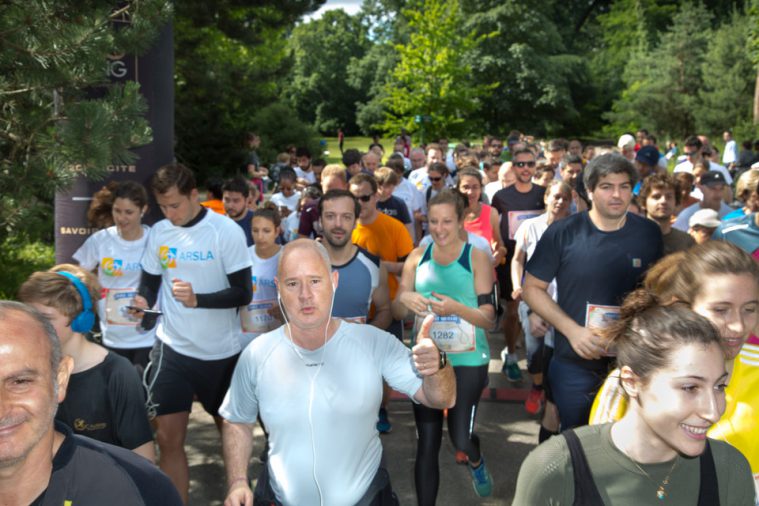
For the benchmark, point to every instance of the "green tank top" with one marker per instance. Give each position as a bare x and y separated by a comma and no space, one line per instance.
465,344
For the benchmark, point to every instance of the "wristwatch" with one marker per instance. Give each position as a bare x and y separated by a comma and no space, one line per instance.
443,359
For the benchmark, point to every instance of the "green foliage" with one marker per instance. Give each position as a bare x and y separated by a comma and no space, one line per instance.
279,127
433,77
662,85
20,257
322,52
231,61
51,55
728,78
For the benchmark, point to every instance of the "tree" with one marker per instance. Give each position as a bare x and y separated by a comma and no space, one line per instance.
53,126
322,52
662,85
541,83
725,100
231,62
432,82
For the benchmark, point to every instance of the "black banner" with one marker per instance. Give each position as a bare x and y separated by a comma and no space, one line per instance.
155,73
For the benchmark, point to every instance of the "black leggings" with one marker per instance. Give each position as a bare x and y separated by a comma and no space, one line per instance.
470,381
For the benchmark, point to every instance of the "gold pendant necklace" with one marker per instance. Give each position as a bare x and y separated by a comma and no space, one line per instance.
661,491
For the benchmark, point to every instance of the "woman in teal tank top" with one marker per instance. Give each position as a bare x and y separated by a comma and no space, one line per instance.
452,280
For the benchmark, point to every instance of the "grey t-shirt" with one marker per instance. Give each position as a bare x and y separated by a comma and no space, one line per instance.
677,240
321,418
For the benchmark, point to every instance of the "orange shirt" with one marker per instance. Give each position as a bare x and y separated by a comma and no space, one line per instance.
386,238
214,205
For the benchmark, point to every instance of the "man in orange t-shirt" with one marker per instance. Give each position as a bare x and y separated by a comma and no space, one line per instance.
387,238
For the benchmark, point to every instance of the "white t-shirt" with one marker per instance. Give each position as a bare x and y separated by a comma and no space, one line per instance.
308,176
202,255
274,378
118,265
527,236
413,198
257,317
290,202
491,189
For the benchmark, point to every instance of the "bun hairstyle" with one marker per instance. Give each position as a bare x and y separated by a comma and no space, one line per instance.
270,211
99,214
648,333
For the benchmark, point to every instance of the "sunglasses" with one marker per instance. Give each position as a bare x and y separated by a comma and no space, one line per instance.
690,153
525,164
364,198
435,179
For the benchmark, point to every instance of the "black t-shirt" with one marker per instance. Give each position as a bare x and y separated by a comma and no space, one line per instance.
245,224
107,403
593,267
396,208
511,204
90,473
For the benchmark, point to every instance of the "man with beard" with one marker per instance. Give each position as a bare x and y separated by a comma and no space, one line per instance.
235,197
364,280
597,257
515,203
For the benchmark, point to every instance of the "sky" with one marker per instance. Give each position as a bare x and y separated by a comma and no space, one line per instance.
349,6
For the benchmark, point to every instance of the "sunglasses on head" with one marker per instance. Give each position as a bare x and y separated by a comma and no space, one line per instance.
435,179
525,164
364,198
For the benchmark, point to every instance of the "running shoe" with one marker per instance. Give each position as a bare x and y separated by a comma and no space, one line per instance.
383,423
481,479
535,401
512,371
461,457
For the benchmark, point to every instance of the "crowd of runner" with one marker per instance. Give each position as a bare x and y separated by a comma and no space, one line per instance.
298,295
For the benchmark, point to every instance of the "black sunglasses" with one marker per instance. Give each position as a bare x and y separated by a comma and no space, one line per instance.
524,164
435,179
364,198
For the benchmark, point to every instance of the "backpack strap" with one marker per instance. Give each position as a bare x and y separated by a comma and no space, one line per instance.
586,492
708,490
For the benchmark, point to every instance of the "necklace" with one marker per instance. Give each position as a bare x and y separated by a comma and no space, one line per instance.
661,491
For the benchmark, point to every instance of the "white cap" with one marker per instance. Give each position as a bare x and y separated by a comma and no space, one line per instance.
626,141
704,218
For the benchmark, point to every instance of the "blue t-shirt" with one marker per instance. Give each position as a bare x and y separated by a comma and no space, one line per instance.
593,268
742,232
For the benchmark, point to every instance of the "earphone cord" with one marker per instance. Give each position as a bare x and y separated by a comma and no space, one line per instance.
288,331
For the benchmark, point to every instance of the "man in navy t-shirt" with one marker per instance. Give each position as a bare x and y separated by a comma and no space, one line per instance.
43,462
597,257
515,203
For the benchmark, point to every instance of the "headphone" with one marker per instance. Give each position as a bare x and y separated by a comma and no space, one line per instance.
83,322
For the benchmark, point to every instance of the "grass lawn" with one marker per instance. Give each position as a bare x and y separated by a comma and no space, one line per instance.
360,143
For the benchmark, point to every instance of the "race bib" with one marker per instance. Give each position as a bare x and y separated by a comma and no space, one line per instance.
116,302
452,334
598,316
258,317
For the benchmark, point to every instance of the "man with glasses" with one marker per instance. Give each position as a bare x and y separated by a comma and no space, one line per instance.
515,203
693,151
387,238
